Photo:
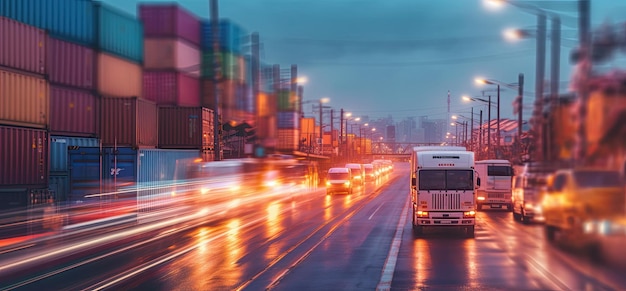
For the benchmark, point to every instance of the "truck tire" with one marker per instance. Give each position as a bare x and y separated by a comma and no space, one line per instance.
479,206
517,217
469,231
509,207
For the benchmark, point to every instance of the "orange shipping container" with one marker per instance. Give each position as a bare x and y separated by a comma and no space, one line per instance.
118,77
288,139
24,100
172,54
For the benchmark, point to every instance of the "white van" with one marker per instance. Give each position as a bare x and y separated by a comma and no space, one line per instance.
339,180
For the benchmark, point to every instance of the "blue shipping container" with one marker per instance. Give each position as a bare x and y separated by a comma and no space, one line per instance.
288,120
93,169
159,175
59,163
59,186
232,36
118,33
68,20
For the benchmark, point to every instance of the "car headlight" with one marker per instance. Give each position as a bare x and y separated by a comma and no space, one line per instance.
347,183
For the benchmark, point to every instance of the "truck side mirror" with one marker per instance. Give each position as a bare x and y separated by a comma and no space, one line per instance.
478,182
413,182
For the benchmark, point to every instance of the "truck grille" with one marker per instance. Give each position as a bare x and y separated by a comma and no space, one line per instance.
495,195
446,201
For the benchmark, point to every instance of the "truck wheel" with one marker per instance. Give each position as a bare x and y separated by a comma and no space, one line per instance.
509,207
469,231
479,207
516,217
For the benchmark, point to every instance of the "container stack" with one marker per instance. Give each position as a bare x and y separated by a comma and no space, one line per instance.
233,105
24,116
288,121
171,78
127,117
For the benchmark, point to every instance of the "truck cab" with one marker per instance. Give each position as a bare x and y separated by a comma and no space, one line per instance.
495,189
528,190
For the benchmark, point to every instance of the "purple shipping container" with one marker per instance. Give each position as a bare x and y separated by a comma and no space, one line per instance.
171,88
73,112
185,127
128,122
23,157
288,120
169,21
70,64
22,46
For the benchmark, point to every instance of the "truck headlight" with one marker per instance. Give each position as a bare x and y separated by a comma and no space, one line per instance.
469,214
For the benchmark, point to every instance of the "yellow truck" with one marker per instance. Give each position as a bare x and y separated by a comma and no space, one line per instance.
577,200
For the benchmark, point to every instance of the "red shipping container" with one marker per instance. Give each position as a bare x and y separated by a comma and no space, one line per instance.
23,157
169,21
128,122
73,112
186,128
23,100
171,88
171,54
22,46
70,64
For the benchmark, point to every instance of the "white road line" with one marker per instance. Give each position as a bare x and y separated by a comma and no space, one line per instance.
381,205
390,263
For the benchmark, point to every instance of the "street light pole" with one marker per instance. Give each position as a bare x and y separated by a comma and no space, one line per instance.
489,128
498,129
321,129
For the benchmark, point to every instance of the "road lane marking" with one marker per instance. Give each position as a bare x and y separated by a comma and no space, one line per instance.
381,205
392,256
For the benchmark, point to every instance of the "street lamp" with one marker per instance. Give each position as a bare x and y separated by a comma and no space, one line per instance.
489,82
489,104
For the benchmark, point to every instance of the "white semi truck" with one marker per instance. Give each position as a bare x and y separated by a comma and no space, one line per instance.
443,185
495,190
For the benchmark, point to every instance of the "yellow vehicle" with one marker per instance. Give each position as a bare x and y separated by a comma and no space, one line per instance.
577,199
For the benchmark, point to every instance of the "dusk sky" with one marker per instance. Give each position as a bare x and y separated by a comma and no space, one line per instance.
400,58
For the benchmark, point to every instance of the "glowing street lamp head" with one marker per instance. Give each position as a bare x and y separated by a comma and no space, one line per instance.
480,81
357,119
466,98
494,4
454,117
348,114
325,100
302,80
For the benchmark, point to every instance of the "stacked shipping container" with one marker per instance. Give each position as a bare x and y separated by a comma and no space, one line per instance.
24,116
232,66
171,77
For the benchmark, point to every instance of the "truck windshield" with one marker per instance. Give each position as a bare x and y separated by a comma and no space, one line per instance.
499,171
446,180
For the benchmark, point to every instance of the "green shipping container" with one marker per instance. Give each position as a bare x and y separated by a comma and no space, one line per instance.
230,66
287,101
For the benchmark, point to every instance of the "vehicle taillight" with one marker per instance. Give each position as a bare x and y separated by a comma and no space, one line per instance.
469,214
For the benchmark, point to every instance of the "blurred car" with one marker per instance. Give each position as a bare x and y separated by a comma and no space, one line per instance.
370,172
576,199
528,189
339,180
358,176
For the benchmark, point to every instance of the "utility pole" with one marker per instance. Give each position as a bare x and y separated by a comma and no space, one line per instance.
520,108
489,128
555,43
472,130
256,85
480,133
584,67
341,137
217,76
539,74
331,127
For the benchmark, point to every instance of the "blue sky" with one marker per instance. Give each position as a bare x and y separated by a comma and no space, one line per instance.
400,58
